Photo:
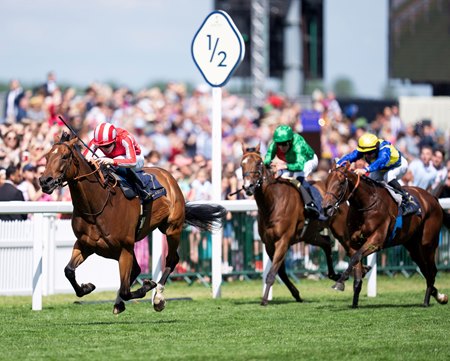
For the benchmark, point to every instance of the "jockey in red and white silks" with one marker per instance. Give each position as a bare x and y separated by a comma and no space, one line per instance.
118,146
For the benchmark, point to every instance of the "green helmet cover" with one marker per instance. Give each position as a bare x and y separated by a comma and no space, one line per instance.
283,133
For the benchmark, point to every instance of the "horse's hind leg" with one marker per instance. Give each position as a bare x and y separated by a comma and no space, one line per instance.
78,257
284,277
173,241
324,242
424,257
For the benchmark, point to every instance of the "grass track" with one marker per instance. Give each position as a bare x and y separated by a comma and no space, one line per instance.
392,326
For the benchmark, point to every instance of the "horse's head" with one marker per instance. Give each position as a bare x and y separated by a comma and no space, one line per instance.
252,169
59,168
336,188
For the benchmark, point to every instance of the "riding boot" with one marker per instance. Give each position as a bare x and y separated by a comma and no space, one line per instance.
140,186
310,208
408,203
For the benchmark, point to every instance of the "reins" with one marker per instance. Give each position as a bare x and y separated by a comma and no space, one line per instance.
98,171
259,172
341,199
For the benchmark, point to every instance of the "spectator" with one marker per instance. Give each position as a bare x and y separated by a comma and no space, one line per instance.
445,191
9,192
29,185
50,84
441,171
201,190
423,170
10,149
12,100
407,143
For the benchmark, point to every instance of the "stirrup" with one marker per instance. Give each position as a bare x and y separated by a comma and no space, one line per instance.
312,211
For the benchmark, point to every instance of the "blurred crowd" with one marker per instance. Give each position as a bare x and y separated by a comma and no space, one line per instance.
173,128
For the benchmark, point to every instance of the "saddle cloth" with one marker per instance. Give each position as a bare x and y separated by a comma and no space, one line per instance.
152,186
313,191
404,207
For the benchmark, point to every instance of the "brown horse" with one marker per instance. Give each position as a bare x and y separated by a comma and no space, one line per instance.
373,224
281,219
105,222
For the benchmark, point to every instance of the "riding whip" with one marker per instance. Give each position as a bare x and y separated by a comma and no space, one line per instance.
75,134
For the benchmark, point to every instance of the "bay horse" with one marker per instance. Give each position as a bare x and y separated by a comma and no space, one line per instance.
282,221
105,222
373,224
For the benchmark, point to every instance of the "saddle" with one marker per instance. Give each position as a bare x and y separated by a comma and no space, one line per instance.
313,192
405,206
153,187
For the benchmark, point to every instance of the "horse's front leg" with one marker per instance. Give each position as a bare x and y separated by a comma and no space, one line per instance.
79,255
372,245
147,285
357,283
276,253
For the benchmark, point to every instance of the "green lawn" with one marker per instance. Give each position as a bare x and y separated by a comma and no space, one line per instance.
392,326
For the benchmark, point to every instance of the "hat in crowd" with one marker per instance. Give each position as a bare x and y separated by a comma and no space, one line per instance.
29,167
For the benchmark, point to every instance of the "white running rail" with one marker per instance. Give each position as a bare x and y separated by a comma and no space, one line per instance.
33,253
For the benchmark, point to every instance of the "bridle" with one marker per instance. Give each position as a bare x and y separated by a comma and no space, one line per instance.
341,198
259,172
60,180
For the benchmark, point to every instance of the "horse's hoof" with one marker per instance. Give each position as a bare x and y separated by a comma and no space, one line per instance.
338,286
159,302
442,299
334,277
119,308
354,306
426,304
298,299
264,302
161,305
86,288
148,284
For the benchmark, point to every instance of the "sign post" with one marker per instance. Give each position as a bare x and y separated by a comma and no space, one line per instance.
217,50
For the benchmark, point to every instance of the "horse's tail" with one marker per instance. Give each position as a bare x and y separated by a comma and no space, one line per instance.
207,217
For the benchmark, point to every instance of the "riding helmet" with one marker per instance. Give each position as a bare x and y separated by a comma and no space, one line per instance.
367,142
104,134
282,134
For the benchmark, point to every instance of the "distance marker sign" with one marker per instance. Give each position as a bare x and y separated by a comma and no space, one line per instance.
217,48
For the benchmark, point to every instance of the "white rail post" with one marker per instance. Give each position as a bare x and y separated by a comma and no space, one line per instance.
217,238
267,263
372,275
38,233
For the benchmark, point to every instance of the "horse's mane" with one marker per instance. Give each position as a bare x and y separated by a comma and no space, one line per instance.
372,182
65,137
368,180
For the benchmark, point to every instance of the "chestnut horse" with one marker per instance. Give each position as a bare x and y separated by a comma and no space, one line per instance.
108,224
373,224
281,219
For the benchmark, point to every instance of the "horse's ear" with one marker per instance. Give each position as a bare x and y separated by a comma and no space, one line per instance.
73,141
347,165
244,148
258,147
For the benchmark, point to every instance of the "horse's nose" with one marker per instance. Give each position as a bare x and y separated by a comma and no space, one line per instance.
44,180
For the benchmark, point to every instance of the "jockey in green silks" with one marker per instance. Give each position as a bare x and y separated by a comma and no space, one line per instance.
299,161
